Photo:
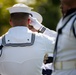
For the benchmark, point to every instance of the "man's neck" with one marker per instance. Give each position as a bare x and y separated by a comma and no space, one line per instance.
20,25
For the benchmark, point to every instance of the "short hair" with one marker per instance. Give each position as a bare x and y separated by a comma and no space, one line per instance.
19,18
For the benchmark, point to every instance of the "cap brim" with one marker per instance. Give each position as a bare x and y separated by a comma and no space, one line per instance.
37,16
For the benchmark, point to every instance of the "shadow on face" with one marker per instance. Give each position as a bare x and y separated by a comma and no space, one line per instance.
64,7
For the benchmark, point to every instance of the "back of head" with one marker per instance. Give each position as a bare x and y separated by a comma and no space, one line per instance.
19,18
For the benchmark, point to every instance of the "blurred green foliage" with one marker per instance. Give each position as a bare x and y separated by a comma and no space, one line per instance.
49,9
4,15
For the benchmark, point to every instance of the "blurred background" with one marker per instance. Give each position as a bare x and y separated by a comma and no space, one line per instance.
49,9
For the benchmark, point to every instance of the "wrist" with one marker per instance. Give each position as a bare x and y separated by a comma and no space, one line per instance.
37,26
42,29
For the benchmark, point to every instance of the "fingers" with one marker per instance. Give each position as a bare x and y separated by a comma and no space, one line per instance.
32,18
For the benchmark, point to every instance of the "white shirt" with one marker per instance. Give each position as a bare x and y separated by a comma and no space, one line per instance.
50,33
66,46
24,60
66,42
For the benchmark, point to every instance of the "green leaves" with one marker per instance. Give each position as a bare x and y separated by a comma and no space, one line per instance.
4,15
50,11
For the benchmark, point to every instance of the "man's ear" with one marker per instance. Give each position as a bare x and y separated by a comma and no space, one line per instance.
10,22
29,21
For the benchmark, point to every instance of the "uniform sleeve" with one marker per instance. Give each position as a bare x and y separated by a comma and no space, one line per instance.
50,33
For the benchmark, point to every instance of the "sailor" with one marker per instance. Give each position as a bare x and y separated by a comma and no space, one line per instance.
21,50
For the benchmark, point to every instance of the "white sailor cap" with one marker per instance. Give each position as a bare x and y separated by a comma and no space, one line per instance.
25,9
37,15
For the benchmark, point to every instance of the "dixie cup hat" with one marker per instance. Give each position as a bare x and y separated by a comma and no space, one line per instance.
37,16
25,9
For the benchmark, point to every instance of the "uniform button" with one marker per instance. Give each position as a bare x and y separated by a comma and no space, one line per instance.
27,39
8,40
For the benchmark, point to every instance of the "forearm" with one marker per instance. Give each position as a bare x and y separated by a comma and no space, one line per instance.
47,31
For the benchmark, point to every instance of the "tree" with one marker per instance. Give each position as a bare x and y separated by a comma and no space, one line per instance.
4,16
50,11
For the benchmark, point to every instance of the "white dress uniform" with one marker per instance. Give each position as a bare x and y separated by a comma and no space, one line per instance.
50,33
66,47
20,58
